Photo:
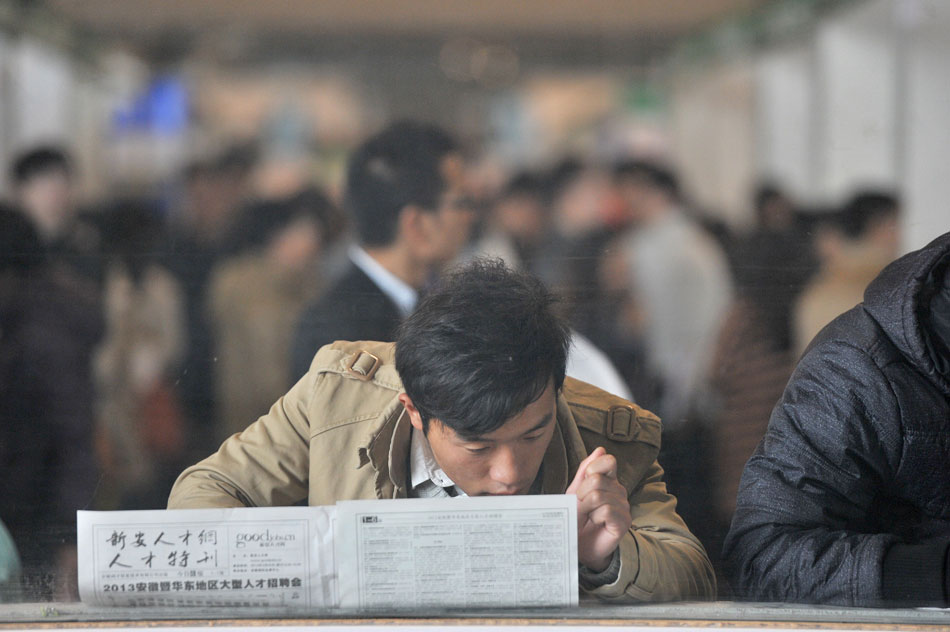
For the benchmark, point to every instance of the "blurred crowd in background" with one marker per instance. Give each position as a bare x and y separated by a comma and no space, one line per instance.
138,333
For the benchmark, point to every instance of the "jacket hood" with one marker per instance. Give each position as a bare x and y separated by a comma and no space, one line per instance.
899,299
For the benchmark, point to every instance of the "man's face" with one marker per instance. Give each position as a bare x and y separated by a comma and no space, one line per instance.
47,198
643,201
504,461
521,216
885,234
449,225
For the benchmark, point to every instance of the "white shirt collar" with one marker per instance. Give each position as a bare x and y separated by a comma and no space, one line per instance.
400,292
423,466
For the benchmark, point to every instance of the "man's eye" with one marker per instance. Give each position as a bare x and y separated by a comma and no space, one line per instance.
476,449
534,437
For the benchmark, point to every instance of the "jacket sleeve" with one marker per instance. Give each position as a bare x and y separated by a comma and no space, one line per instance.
266,465
660,560
803,530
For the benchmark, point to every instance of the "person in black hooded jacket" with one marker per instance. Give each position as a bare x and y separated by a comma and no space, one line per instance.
847,498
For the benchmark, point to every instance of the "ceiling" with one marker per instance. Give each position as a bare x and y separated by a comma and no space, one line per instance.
156,26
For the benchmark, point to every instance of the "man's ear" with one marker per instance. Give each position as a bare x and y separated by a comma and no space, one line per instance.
414,417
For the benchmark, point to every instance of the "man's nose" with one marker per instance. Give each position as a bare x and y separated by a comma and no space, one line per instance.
506,467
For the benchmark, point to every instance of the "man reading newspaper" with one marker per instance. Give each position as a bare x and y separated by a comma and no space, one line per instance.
471,400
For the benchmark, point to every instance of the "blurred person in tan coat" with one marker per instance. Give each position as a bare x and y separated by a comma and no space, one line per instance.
853,247
256,299
140,428
199,237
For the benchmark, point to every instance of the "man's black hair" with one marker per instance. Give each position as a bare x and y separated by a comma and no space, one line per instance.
523,183
765,193
864,208
397,167
239,158
652,173
131,229
313,202
197,169
480,347
263,219
39,160
560,177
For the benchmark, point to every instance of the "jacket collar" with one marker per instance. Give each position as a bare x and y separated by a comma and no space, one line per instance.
388,452
565,452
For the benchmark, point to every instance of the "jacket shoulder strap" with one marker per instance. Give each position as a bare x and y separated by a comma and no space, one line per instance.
609,416
366,361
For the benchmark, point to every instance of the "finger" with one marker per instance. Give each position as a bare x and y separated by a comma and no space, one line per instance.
598,498
615,520
599,481
600,509
582,469
606,465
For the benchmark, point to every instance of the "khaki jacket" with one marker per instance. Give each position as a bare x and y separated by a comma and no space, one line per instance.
341,433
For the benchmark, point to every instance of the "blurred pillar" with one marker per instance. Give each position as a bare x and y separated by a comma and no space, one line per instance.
42,80
856,102
926,181
784,125
712,139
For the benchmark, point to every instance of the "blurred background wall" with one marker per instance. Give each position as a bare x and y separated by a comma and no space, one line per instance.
819,95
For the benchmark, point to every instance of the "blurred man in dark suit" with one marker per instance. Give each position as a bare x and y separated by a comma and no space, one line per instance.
405,194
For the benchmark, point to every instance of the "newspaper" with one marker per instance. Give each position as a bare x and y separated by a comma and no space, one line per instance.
249,557
389,554
473,552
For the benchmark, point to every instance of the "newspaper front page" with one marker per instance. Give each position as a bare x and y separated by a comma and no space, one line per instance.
249,557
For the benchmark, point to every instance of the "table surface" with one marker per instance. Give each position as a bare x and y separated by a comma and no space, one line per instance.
673,615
